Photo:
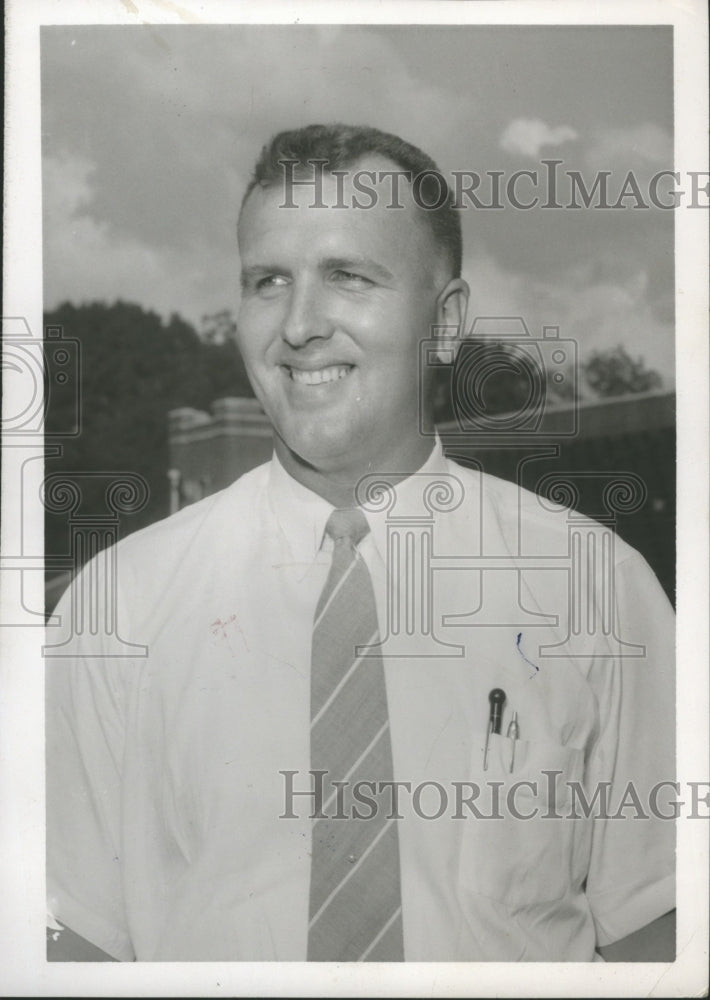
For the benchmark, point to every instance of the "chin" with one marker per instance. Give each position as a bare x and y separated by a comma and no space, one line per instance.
324,452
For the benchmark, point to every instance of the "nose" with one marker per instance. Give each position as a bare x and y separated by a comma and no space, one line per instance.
306,318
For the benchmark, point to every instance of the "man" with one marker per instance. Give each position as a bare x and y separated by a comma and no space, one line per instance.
231,795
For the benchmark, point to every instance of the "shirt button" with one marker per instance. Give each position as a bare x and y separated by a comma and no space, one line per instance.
352,858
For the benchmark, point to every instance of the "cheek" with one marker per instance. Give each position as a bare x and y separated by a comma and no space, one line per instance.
396,349
257,327
252,343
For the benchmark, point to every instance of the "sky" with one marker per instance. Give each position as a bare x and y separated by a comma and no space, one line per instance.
150,134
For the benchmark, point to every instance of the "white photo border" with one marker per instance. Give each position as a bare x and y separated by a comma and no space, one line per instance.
22,912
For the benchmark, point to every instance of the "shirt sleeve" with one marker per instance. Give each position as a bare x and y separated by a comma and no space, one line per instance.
84,729
631,879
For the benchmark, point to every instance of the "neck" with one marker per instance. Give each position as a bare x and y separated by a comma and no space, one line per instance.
339,485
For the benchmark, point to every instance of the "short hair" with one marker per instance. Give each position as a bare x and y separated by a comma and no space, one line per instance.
341,146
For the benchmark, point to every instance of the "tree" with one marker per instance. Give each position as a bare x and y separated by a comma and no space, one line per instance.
493,377
218,327
135,369
615,373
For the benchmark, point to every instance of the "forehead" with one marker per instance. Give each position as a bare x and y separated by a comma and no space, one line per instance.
358,213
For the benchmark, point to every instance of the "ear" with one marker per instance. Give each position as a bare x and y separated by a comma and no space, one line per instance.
451,309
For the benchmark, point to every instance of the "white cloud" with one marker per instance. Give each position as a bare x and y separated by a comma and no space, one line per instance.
596,314
529,135
644,145
172,132
86,259
177,118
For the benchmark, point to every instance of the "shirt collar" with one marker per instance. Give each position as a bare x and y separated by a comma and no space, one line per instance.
302,514
408,497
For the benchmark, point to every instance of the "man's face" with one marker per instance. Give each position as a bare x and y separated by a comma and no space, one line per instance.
335,302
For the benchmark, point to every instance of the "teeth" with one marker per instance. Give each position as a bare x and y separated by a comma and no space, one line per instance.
321,375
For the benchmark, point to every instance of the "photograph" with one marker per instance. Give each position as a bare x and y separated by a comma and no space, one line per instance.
354,467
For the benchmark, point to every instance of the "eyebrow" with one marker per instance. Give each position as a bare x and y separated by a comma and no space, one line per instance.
326,264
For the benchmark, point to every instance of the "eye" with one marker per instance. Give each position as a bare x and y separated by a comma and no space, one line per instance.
270,281
351,278
264,285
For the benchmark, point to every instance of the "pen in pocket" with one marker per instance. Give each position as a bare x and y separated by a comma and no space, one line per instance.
497,700
513,735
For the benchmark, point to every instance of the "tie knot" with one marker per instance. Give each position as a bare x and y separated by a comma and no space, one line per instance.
348,523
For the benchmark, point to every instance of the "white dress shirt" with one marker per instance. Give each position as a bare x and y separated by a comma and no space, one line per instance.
165,781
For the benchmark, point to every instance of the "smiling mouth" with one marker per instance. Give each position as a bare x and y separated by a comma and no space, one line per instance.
319,376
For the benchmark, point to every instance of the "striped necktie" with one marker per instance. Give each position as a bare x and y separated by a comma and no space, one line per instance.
355,911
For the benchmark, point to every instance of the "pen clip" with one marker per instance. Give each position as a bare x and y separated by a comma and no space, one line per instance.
513,735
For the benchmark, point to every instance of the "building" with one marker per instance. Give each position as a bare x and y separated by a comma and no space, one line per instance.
209,451
613,459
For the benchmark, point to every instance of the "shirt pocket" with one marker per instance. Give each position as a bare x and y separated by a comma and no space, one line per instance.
518,847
